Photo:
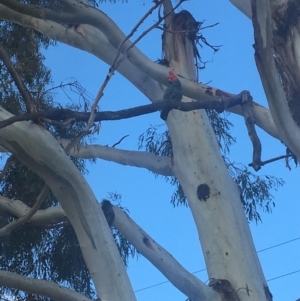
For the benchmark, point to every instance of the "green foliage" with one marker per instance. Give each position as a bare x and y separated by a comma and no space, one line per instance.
221,126
255,190
156,142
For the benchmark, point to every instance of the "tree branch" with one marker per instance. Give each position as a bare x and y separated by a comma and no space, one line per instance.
273,160
25,218
44,217
157,164
187,283
40,287
156,254
65,114
249,121
110,74
97,43
29,102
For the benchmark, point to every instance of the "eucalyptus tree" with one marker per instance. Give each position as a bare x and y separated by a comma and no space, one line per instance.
192,156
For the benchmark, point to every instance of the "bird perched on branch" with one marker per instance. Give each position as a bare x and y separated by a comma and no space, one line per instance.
173,92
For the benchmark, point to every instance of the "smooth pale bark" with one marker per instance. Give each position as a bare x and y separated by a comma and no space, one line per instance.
244,6
44,217
39,150
157,164
40,287
187,283
144,243
223,230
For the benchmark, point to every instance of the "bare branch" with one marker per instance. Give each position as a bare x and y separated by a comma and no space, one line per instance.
65,114
249,121
134,29
117,61
40,287
16,223
111,71
117,143
156,254
273,160
157,164
161,259
45,217
160,19
146,77
30,106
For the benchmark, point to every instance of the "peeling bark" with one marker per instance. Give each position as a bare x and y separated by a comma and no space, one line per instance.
265,57
287,54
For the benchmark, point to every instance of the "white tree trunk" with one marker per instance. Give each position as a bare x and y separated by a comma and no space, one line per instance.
40,151
223,230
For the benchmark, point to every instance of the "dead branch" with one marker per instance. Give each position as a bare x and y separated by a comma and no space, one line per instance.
185,31
117,143
262,163
29,102
115,65
64,115
16,223
250,123
160,19
117,62
134,29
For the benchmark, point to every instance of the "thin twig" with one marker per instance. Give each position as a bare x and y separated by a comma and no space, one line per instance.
115,65
184,31
153,26
16,223
134,29
117,143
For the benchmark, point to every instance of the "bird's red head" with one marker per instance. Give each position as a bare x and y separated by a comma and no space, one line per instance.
172,76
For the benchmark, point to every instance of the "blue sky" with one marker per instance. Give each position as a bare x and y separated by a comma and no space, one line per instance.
147,198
